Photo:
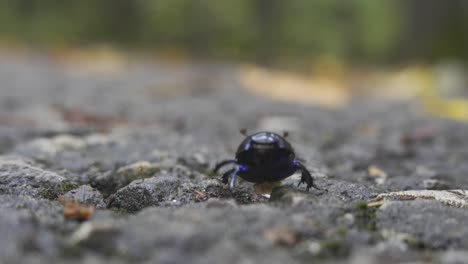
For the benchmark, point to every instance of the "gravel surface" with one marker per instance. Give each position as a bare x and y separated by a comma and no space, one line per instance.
139,145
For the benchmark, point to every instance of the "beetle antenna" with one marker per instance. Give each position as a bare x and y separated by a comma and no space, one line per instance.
285,134
243,131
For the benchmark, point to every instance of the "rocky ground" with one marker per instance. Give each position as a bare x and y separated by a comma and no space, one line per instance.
139,145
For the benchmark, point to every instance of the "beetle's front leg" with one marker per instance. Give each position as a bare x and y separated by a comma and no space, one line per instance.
306,177
230,173
226,175
222,164
233,179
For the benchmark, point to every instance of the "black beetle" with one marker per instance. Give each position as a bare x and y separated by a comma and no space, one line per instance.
264,157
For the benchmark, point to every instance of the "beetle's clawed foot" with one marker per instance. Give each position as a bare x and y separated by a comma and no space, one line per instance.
307,179
310,184
225,180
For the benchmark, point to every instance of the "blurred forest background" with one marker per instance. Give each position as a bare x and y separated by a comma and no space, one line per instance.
262,31
325,52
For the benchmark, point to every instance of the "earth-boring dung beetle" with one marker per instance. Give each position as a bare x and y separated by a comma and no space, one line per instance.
264,157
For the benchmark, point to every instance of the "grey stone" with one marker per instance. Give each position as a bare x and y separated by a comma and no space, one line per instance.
180,214
220,203
96,236
28,225
86,194
16,233
18,176
110,181
454,257
202,236
432,224
435,184
41,211
145,192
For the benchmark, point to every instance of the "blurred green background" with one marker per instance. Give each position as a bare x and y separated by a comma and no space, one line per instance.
262,31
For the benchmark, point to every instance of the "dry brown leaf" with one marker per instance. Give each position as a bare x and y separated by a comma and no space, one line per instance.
326,92
74,210
201,196
78,117
379,175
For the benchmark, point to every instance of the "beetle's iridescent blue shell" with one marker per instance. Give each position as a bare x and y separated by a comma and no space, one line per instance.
264,140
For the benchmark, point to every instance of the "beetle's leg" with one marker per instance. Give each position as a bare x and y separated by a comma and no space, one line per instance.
306,177
222,164
226,175
233,178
